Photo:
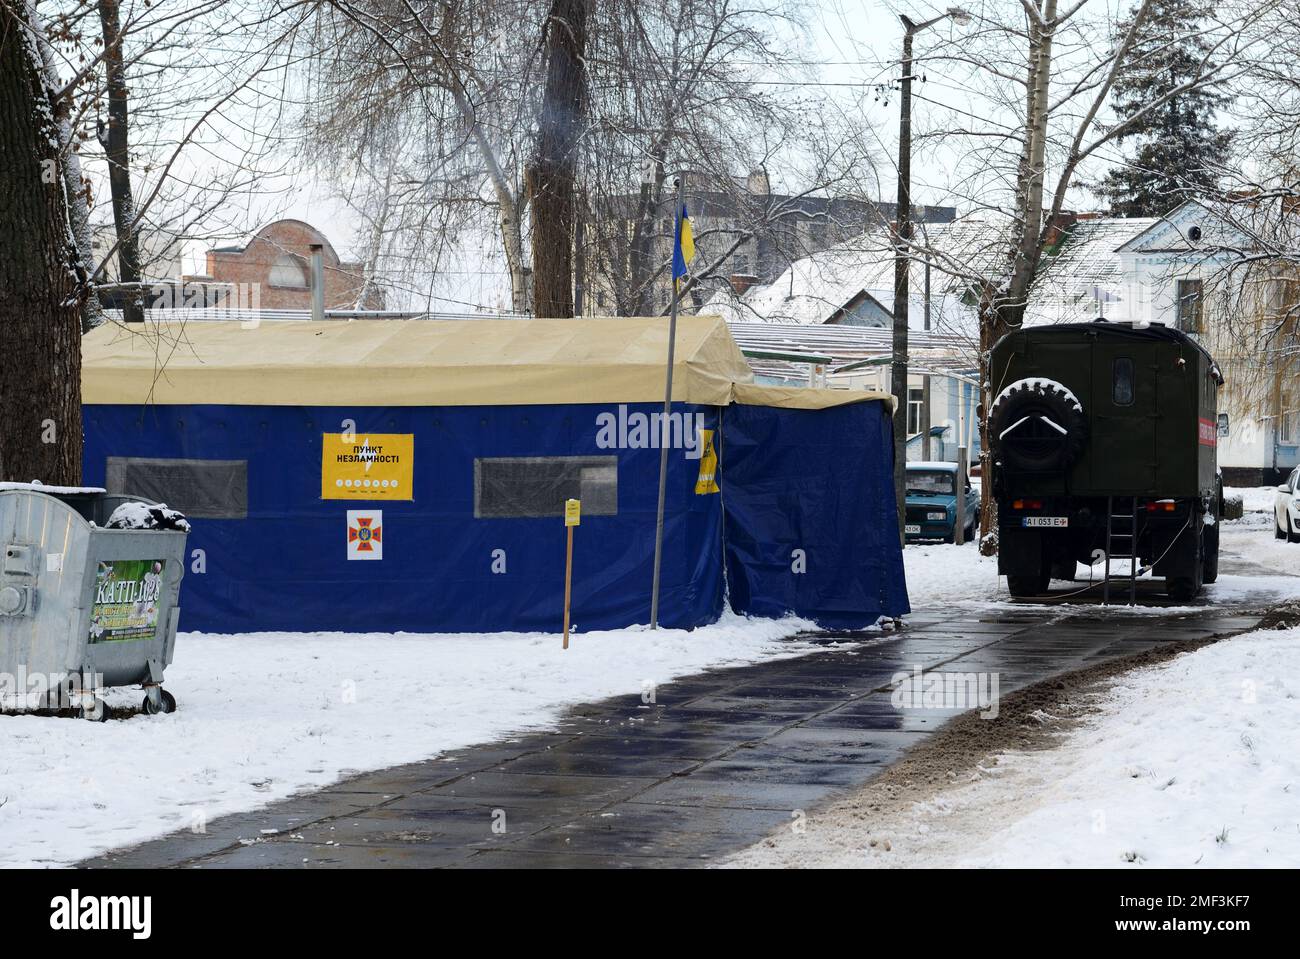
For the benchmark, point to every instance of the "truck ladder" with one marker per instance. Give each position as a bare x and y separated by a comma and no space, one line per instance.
1128,540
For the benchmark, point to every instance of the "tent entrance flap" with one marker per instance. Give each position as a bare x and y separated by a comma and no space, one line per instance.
810,526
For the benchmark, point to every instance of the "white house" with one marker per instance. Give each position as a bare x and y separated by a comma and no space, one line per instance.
1197,268
1208,271
852,285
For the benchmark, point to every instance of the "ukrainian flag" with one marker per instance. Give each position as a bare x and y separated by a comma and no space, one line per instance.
683,246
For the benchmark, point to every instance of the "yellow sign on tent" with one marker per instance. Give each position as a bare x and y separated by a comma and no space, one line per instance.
361,466
707,480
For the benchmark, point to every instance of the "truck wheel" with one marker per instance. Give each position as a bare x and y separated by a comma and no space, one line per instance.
1210,560
1038,426
98,713
1182,589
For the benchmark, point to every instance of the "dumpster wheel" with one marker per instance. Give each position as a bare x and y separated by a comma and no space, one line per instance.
98,713
166,703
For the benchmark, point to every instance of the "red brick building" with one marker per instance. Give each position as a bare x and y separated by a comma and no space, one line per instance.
278,261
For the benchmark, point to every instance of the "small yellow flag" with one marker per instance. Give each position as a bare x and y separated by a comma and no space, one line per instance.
572,512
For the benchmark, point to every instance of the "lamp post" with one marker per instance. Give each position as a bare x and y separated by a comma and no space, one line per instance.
903,228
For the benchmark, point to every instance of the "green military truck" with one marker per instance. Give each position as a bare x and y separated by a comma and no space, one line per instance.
1103,439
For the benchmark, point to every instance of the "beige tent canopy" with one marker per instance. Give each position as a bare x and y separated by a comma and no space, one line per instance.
489,362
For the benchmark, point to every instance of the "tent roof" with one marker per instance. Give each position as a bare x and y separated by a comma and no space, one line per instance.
489,362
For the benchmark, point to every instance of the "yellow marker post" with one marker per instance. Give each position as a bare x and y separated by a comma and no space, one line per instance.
572,517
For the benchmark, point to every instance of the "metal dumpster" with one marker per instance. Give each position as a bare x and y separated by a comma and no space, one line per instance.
83,607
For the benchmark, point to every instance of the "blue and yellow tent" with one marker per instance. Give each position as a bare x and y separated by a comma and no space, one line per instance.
411,475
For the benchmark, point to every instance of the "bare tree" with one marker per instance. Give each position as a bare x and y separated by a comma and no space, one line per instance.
448,85
114,135
1040,76
194,74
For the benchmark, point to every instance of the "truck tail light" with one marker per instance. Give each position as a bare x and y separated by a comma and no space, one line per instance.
1162,506
1027,504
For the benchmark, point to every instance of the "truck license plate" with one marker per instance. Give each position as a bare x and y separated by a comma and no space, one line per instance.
1045,521
912,528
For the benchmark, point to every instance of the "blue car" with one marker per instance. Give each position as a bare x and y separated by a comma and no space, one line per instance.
932,503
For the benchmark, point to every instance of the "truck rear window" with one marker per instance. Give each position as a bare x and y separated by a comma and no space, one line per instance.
1122,387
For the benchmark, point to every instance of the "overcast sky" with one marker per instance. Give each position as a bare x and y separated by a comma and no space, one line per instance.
846,48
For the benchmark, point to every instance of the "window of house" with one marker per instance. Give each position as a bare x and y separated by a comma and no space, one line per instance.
740,264
515,487
1122,381
1191,306
288,270
915,400
1286,419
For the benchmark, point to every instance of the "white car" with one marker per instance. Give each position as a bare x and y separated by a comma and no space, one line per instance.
1286,508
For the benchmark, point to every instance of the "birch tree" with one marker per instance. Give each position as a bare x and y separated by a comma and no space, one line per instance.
448,84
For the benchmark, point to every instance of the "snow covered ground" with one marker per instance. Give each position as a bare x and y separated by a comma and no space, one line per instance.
263,716
1189,763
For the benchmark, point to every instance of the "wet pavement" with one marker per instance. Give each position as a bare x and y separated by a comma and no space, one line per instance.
713,764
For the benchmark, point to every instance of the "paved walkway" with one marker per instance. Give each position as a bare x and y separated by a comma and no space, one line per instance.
715,763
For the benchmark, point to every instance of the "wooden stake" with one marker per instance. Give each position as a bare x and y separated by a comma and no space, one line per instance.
568,579
572,517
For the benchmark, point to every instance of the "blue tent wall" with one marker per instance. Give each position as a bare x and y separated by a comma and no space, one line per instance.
285,566
819,481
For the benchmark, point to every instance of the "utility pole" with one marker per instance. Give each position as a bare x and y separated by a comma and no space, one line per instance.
903,230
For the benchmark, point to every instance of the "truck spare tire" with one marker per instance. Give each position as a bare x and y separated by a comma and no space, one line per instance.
1037,425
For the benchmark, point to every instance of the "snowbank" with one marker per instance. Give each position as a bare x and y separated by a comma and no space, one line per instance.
1254,499
266,715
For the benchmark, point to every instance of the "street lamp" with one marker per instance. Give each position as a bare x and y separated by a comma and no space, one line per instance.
903,226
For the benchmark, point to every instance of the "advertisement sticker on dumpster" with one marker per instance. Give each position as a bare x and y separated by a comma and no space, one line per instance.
367,466
125,605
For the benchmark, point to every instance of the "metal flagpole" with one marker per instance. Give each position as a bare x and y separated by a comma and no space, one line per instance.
668,403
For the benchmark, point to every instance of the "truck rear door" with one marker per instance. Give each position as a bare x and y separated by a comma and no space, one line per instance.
1124,416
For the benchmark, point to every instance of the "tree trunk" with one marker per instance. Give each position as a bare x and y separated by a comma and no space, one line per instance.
118,154
1003,310
552,173
40,289
78,192
639,299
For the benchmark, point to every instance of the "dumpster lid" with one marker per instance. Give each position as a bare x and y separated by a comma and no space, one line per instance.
39,487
